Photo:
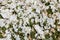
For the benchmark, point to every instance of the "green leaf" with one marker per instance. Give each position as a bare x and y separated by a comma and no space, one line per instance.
32,34
49,11
33,10
14,12
58,1
21,35
43,1
45,23
53,36
10,26
1,36
47,36
13,37
3,29
30,23
19,29
38,23
56,22
1,16
47,4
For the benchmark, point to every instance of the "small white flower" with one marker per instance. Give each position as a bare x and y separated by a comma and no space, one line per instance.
58,29
6,13
1,0
27,29
47,31
47,0
39,29
13,17
32,20
50,21
12,5
17,37
38,10
8,37
4,2
2,22
37,20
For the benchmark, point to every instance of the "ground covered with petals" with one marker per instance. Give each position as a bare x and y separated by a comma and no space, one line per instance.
29,19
